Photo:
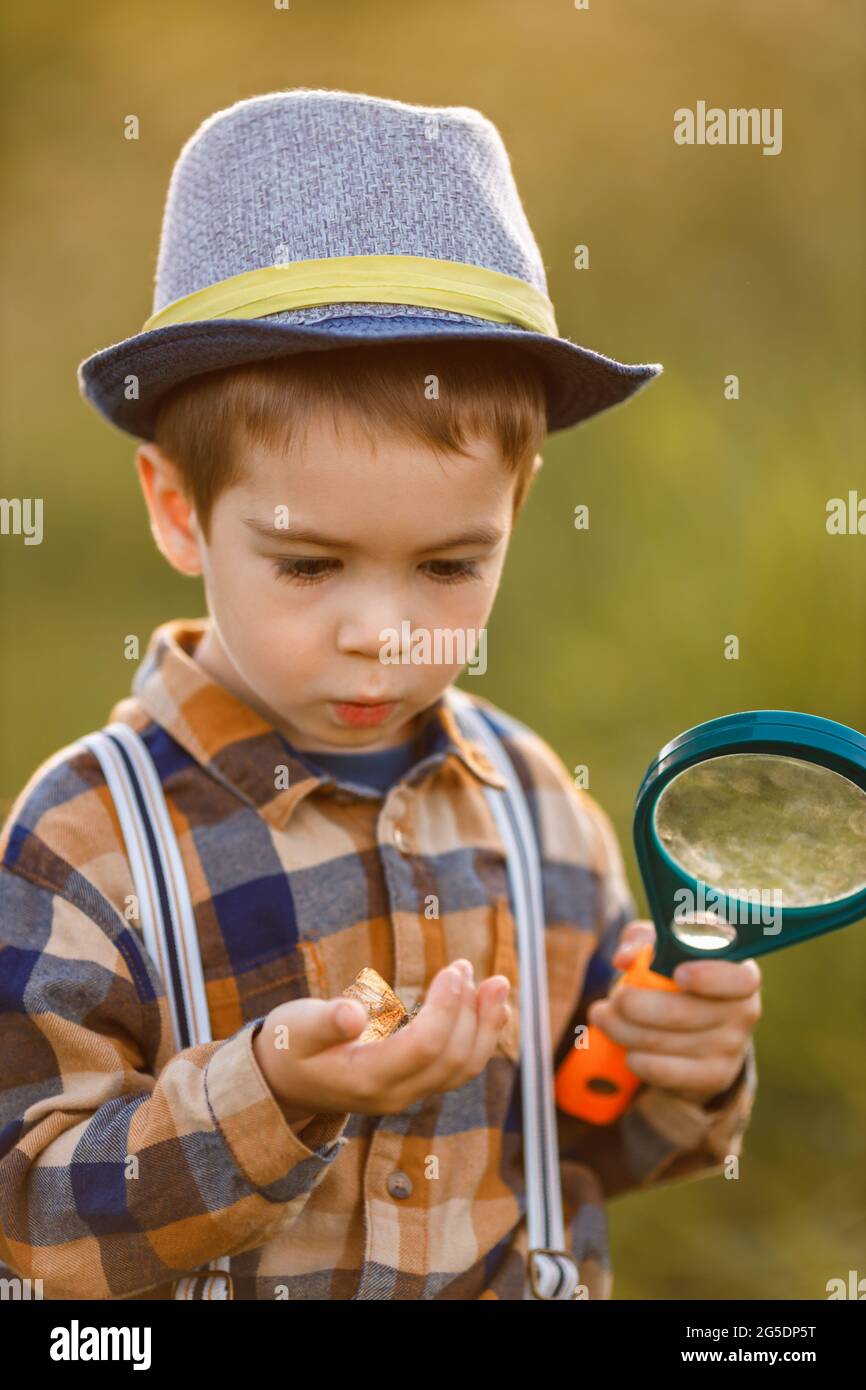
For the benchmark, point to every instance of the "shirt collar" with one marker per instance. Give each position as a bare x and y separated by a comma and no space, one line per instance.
240,748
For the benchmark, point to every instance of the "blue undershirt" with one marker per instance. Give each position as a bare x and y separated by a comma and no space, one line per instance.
378,770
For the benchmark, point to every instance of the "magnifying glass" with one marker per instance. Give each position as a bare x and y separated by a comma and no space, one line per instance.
750,833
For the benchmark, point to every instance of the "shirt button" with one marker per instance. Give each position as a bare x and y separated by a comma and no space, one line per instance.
400,1184
401,840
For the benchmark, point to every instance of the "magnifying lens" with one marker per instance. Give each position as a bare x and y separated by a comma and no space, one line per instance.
750,833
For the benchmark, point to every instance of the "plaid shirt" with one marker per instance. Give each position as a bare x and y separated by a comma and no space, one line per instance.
124,1163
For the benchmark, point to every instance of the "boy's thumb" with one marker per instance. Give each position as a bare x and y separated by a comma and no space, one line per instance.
334,1021
634,938
308,1026
350,1017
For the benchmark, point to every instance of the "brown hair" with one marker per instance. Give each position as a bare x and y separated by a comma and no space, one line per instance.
484,390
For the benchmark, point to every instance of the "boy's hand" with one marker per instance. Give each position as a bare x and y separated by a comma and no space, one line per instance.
693,1043
450,1040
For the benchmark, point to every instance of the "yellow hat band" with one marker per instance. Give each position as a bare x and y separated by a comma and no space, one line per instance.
415,280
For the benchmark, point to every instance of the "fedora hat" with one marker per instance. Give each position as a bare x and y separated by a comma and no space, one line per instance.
307,220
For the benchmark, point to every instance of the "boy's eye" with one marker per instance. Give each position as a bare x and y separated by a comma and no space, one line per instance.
454,570
305,570
309,569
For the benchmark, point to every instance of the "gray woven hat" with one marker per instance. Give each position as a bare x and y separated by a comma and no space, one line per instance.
308,220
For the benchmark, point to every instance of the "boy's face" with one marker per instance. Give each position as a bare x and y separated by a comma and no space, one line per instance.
299,626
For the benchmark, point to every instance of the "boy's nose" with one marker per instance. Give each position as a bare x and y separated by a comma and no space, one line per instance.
375,632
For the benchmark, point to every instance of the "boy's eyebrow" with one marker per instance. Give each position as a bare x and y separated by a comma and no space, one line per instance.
481,534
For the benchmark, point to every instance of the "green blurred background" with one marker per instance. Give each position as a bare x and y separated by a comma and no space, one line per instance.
707,515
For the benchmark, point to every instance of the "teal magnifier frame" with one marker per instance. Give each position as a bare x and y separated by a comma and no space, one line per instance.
785,733
594,1081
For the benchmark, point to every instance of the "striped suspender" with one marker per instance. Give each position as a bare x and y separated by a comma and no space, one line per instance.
553,1272
165,911
168,927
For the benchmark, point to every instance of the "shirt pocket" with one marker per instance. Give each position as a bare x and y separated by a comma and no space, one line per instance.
505,963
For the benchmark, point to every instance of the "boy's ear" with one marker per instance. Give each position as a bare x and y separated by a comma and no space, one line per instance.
536,464
173,521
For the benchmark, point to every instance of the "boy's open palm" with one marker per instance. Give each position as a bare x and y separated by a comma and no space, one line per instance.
308,1053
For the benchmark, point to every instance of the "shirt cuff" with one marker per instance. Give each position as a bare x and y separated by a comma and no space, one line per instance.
246,1112
717,1125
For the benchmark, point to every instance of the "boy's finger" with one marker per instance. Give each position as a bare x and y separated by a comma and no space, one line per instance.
719,979
692,1042
312,1025
681,1012
453,1057
493,1014
632,939
700,1074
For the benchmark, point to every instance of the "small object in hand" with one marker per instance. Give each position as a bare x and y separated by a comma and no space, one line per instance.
386,1012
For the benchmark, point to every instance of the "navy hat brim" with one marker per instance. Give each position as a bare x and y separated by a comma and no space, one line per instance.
579,382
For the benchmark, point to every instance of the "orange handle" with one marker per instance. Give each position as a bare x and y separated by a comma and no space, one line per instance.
594,1082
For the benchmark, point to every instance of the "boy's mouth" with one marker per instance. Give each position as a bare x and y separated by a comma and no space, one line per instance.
360,713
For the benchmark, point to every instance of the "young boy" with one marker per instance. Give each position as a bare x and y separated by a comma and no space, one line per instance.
342,393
